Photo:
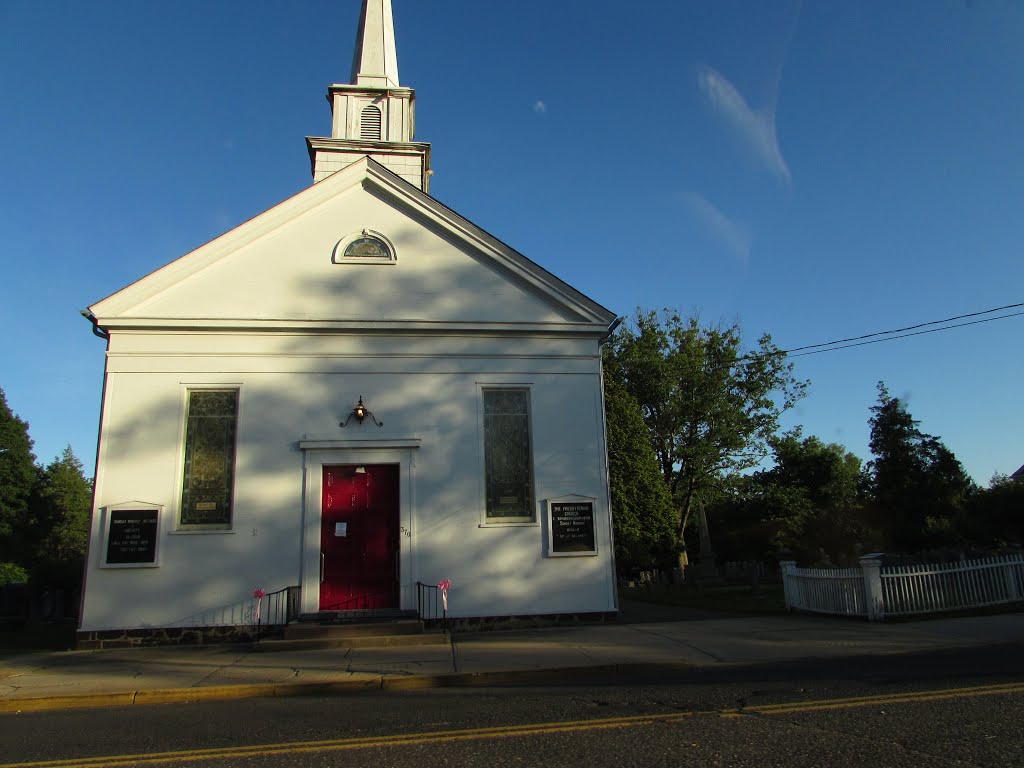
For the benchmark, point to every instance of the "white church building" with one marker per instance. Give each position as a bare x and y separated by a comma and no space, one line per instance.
353,393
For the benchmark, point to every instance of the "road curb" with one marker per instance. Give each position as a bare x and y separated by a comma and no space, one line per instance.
54,703
552,676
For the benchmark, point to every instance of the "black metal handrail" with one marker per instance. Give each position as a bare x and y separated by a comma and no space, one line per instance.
430,605
283,605
278,608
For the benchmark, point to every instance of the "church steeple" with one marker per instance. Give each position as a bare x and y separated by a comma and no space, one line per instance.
375,61
374,115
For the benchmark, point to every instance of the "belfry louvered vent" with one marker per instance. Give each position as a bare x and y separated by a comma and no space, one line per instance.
369,123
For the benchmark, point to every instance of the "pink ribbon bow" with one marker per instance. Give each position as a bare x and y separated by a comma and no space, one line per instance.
258,594
444,585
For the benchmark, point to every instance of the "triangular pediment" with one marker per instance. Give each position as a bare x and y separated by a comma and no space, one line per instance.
284,268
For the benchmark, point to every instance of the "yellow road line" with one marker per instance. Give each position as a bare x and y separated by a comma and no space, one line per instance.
888,698
354,743
532,729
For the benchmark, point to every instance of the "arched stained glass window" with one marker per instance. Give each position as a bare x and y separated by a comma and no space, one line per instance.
364,247
367,248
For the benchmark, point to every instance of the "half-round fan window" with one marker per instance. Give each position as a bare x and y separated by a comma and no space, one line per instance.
367,248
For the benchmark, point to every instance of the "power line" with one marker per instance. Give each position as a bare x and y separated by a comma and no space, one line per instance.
905,335
895,333
914,327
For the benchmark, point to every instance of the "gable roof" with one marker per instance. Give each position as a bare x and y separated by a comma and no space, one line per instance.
249,277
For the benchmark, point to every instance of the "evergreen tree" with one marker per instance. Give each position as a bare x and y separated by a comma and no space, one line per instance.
919,487
60,516
17,477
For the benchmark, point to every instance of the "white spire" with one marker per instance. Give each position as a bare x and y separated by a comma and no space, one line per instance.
375,62
373,116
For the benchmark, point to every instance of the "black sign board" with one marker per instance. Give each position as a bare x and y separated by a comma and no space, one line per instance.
572,526
131,536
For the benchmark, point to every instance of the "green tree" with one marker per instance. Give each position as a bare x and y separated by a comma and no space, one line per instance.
827,481
918,486
60,515
809,502
994,517
709,408
642,510
756,519
17,477
12,574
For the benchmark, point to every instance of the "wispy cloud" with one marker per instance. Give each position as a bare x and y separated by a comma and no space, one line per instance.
756,128
540,107
734,237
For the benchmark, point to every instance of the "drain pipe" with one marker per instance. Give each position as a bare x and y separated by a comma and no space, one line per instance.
95,325
611,329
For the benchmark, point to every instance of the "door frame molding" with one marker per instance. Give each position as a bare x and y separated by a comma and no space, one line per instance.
318,453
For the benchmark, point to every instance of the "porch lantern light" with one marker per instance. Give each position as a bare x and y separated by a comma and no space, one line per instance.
361,412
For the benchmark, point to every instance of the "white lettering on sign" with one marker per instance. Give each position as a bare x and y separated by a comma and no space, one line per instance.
572,527
132,537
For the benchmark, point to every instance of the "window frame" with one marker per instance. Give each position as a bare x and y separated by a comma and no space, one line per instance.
532,519
219,527
339,257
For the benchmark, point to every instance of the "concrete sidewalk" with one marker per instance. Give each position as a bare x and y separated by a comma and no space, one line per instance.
648,638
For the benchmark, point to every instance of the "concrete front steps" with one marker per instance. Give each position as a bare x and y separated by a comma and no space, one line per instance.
365,633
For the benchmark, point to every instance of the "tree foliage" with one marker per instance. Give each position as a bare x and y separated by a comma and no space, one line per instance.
44,512
60,513
994,517
828,480
17,479
709,407
12,574
919,488
809,503
642,510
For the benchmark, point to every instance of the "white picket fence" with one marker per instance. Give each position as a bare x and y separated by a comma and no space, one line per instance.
824,590
877,593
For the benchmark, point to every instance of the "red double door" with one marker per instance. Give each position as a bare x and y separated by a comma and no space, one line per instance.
359,538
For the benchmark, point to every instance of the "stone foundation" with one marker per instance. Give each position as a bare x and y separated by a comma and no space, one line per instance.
138,638
530,621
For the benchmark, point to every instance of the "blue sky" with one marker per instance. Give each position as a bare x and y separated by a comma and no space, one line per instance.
814,170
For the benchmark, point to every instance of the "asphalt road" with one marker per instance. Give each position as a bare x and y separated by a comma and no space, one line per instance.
958,708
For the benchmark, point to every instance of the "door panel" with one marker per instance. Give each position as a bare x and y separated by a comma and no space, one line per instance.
359,538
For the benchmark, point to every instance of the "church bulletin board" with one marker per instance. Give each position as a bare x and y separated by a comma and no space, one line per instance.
571,528
131,538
